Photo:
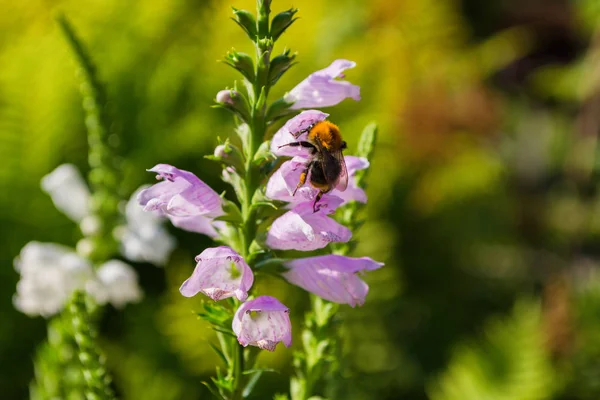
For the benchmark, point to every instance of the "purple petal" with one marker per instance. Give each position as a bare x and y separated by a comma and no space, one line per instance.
283,182
352,193
354,164
285,135
198,224
220,273
322,89
263,322
181,194
332,277
302,229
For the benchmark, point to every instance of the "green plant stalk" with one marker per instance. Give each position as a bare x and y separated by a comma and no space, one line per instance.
104,174
257,127
93,367
57,370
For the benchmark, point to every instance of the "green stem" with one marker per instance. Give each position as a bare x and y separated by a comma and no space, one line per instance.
238,372
257,127
95,374
104,175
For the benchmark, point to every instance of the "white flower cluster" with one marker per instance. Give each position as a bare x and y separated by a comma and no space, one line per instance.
50,273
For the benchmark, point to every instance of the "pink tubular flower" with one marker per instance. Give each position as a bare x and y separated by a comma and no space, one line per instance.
263,322
283,182
220,273
323,89
306,230
181,194
332,277
286,134
198,224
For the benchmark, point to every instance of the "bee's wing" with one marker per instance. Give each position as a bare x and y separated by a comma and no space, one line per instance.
342,181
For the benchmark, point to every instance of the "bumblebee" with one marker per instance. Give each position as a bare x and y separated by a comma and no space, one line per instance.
325,170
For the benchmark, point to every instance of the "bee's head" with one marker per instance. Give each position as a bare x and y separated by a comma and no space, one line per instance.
344,145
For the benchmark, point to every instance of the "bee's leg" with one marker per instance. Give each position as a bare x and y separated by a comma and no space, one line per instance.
307,145
319,195
303,176
302,131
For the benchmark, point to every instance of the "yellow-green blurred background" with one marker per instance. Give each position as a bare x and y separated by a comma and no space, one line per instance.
481,197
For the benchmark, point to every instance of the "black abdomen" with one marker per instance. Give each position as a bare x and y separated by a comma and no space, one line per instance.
324,173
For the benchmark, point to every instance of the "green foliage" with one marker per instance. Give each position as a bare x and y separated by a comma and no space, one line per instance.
510,363
57,369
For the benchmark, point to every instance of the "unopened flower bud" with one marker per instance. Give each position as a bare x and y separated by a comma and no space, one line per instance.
224,96
229,155
221,151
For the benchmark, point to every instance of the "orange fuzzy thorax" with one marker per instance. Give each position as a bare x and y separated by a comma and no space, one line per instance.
327,134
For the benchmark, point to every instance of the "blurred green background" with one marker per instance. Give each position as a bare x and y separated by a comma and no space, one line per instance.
482,201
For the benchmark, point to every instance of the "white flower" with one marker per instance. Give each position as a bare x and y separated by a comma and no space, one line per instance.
49,275
116,283
144,238
68,191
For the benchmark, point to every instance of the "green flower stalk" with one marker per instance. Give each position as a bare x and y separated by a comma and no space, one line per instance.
97,379
260,225
104,176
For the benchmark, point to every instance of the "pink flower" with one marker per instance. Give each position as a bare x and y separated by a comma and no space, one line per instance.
283,182
332,277
181,194
263,322
323,89
198,224
285,135
220,273
306,230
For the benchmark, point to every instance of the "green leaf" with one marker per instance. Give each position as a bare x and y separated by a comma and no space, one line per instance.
279,65
211,389
252,382
279,109
224,331
367,140
241,62
263,154
232,213
264,204
281,22
246,21
220,353
236,181
262,98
